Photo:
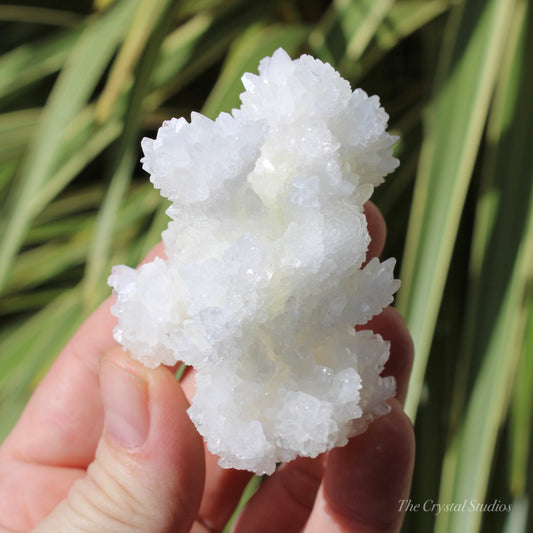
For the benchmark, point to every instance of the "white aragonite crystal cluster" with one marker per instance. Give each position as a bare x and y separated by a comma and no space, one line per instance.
264,278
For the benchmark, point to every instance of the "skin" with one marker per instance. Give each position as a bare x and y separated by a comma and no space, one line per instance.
72,464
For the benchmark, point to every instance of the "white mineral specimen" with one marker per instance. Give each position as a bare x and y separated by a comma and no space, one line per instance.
264,281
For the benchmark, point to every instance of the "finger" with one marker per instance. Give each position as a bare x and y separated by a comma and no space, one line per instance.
64,416
285,499
377,230
365,482
389,323
391,326
149,467
222,493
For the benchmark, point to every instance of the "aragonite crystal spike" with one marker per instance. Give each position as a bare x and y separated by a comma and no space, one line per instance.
264,278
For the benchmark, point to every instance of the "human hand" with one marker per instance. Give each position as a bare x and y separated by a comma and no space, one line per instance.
105,445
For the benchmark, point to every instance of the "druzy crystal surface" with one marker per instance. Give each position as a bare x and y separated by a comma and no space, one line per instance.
264,278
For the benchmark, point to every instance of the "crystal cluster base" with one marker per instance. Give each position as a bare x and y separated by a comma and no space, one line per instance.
264,280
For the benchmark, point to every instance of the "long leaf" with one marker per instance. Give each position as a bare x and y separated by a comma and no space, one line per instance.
402,20
476,439
38,15
85,141
199,43
16,129
98,261
71,239
347,29
33,61
521,435
501,297
142,26
454,127
86,62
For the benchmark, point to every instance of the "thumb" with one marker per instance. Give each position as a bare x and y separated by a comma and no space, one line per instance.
148,471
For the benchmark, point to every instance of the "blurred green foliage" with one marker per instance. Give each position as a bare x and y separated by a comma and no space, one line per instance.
82,82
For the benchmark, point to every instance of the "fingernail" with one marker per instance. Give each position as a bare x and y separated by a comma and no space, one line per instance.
125,399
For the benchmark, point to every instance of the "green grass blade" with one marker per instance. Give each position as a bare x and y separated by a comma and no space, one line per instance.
251,488
146,18
152,236
38,15
85,199
359,39
469,66
199,43
476,439
52,231
8,170
52,258
347,29
60,244
28,303
190,8
511,125
84,141
179,46
521,438
33,61
517,519
501,297
244,55
16,130
74,87
99,259
402,20
89,144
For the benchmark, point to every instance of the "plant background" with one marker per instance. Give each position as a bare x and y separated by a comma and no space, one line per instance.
82,82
